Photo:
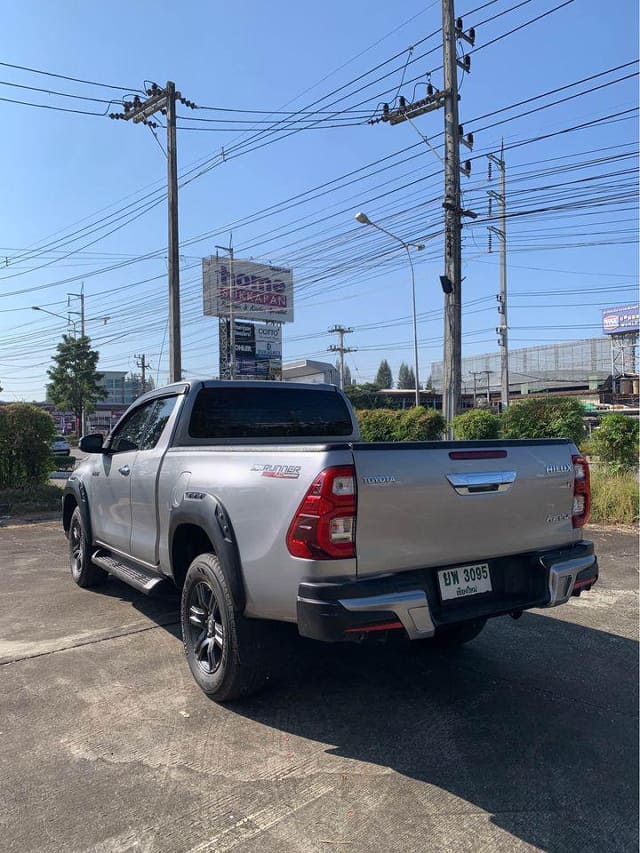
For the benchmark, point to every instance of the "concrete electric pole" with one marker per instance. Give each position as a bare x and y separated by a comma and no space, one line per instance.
503,328
139,111
143,364
452,32
340,348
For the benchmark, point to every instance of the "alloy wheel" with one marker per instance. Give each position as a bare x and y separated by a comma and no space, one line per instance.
205,626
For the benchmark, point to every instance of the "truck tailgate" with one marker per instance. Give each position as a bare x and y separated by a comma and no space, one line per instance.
450,503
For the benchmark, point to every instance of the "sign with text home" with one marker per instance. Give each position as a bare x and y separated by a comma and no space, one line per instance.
246,290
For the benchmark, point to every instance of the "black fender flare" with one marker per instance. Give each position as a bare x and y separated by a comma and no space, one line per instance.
75,488
208,513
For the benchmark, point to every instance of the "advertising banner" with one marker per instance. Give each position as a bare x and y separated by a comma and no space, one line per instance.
258,350
246,289
616,321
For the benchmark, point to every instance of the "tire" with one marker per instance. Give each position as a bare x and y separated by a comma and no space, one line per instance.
83,571
227,653
456,635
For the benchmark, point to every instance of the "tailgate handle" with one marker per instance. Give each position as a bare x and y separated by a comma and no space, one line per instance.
481,483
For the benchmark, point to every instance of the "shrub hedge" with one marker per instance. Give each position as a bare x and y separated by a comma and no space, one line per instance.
26,432
415,424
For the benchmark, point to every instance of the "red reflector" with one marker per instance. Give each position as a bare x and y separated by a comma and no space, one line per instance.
586,582
367,629
477,454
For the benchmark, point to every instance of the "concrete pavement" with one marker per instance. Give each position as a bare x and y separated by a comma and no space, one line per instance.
524,740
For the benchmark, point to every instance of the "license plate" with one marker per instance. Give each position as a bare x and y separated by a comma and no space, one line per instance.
464,581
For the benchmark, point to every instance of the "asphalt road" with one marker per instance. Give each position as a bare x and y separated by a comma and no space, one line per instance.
526,739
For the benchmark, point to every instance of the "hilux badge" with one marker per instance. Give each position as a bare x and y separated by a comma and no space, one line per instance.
558,469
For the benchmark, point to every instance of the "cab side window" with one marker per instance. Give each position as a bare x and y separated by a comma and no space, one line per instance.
130,434
157,421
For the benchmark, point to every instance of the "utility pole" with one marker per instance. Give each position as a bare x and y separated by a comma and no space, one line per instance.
164,101
175,345
341,348
474,374
503,328
452,32
143,364
488,374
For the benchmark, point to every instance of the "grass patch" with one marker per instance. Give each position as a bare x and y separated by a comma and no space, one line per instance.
30,499
614,496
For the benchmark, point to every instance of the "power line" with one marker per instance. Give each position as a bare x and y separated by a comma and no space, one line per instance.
73,79
54,108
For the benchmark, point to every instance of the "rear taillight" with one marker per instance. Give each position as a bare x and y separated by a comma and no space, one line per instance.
324,526
581,492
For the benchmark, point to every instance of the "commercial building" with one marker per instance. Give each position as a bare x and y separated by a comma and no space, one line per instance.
571,365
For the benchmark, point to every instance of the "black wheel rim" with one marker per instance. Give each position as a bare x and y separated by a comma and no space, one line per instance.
76,548
206,632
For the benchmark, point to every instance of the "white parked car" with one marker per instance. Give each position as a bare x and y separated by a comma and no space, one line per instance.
60,446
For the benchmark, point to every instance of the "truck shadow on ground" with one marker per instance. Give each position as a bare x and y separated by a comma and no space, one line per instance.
535,722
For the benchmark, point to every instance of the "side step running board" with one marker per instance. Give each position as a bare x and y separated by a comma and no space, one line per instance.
139,578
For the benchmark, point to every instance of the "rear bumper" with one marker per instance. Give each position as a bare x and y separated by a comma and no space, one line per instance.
411,601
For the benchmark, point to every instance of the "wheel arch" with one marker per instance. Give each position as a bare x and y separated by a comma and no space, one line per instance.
75,495
199,526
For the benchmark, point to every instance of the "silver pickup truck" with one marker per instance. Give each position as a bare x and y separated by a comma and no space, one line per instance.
261,504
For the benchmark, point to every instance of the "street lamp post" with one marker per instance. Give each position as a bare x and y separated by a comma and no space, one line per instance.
364,220
69,321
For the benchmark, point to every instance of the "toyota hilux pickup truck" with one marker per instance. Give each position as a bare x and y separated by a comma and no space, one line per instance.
261,504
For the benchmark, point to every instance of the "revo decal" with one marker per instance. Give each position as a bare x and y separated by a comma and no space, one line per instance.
278,472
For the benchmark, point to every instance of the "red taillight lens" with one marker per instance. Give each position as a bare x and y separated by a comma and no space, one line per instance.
324,527
581,492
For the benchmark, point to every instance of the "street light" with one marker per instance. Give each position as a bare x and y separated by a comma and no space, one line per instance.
53,314
364,220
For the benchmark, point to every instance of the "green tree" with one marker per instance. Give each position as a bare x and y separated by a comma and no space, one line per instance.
476,423
26,432
545,417
384,376
75,382
403,377
406,377
347,376
616,442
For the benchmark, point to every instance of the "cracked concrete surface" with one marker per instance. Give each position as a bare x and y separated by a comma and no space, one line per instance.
524,740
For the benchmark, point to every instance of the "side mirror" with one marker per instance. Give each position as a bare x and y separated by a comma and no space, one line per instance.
91,443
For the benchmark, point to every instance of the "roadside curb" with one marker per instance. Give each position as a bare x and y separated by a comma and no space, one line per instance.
39,518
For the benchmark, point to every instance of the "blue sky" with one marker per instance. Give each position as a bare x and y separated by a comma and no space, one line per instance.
573,241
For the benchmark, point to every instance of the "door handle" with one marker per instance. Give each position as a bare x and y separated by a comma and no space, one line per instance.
478,483
125,470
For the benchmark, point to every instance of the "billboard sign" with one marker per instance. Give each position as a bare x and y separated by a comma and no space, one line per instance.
258,350
617,321
246,289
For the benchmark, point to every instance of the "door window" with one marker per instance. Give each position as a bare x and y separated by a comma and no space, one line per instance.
157,421
129,434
